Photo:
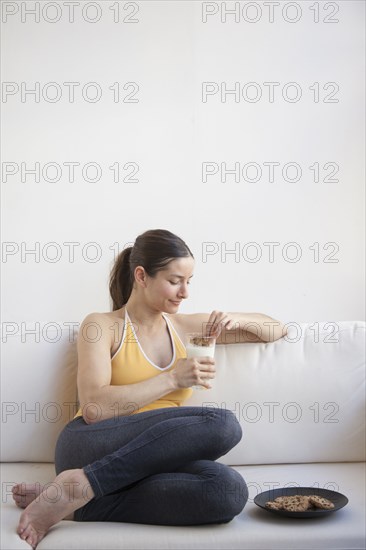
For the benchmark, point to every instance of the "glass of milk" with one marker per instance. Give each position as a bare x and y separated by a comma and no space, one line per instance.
200,346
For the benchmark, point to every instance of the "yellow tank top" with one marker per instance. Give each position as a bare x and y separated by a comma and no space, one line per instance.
130,365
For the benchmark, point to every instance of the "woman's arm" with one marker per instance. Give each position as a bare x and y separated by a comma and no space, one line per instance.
234,328
99,399
251,327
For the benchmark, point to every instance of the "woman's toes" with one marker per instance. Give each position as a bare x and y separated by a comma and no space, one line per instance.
31,541
24,494
27,534
24,526
21,501
17,489
24,534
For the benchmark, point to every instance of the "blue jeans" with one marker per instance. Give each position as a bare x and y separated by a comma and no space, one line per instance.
157,467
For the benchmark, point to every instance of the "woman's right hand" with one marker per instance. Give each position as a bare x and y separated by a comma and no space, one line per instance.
194,371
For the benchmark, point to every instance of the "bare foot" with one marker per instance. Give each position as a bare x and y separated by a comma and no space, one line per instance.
69,491
25,493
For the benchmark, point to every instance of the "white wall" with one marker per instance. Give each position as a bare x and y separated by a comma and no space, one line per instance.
169,132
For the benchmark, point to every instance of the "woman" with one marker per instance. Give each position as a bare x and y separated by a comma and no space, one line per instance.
133,453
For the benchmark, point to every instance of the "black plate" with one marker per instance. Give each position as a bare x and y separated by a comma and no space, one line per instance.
338,500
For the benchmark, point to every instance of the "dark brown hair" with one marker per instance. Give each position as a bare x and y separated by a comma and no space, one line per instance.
153,250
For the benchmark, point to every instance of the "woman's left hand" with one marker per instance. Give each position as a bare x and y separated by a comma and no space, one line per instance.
219,320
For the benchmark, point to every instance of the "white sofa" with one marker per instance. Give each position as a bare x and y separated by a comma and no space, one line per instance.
301,404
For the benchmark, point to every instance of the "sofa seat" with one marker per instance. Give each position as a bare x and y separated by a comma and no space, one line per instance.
253,528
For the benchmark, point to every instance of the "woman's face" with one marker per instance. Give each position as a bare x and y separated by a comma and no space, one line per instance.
169,287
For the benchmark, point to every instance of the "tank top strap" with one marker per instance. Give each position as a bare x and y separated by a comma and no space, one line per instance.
129,329
176,335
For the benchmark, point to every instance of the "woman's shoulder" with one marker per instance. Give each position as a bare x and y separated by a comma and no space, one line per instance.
106,318
106,314
108,324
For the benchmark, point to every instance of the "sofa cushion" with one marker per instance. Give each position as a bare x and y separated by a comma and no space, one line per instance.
298,399
252,529
38,393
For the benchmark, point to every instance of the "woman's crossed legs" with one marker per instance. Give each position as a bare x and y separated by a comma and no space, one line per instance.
155,467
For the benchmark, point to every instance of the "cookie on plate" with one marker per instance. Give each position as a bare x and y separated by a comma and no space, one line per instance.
321,502
296,503
273,505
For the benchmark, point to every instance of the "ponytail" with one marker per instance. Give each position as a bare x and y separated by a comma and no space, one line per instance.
120,282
